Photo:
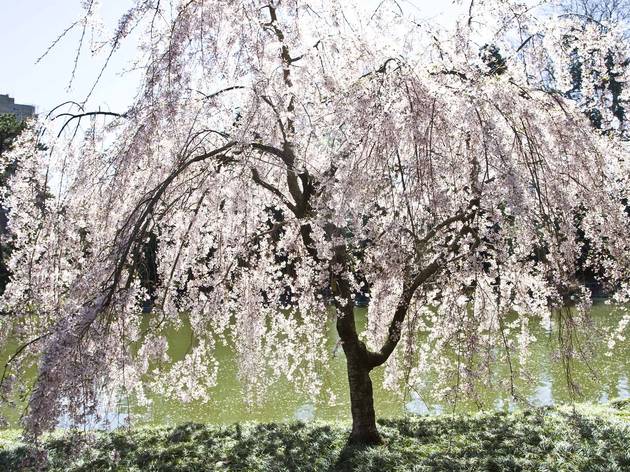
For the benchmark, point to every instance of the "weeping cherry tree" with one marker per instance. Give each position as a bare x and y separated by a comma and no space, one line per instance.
280,158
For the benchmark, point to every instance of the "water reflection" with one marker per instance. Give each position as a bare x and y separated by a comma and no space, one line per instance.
543,395
539,380
417,406
305,412
104,420
623,391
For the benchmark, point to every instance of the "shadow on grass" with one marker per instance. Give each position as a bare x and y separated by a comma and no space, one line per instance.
349,456
543,439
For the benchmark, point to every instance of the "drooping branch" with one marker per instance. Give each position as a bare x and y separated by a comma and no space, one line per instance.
126,239
258,180
79,116
421,277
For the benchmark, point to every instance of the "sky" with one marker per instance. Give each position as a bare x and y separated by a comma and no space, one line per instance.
29,27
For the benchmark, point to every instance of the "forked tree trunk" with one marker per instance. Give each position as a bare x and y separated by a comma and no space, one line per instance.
364,429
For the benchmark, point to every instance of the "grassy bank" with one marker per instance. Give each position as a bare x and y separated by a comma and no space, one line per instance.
587,438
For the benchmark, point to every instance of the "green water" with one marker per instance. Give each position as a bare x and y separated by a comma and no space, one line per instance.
605,377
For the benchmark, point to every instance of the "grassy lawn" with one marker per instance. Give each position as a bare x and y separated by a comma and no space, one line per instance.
584,438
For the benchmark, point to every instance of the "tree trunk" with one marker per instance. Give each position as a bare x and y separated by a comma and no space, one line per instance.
364,430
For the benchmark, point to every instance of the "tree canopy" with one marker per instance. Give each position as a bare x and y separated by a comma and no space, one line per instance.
284,156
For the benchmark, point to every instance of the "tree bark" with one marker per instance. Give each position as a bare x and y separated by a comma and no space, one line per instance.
364,431
359,365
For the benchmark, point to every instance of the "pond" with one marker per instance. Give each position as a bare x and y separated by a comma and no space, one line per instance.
606,377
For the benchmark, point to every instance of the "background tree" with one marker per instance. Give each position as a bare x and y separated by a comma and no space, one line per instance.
10,128
585,54
393,158
605,101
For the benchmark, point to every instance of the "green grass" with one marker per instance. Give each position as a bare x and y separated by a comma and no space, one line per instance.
581,438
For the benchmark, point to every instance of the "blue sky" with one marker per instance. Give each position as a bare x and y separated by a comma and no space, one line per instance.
28,28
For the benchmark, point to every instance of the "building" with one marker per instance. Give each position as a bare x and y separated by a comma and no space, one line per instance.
21,112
